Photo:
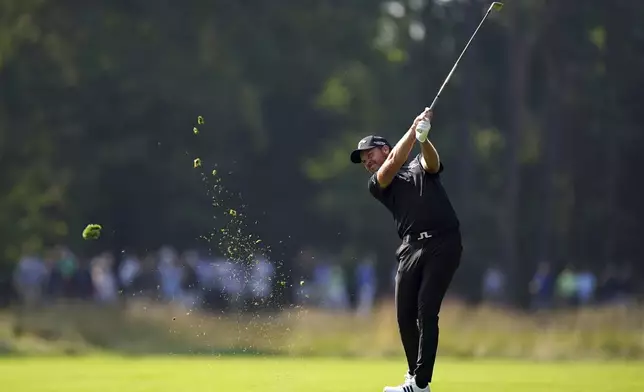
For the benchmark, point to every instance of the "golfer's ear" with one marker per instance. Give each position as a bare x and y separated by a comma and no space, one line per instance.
386,149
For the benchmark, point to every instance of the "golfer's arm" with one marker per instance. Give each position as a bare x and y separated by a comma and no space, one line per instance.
431,161
396,159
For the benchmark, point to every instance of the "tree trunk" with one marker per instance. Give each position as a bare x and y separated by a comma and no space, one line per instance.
468,104
466,157
551,129
518,62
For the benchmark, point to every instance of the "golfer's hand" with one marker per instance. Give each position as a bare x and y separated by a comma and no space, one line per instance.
426,115
422,125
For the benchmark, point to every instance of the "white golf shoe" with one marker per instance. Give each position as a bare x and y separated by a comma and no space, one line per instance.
408,386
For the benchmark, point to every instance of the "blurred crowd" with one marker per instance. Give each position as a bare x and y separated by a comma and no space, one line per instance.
195,281
185,278
566,287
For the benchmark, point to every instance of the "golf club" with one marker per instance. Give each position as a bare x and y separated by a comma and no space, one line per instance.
496,6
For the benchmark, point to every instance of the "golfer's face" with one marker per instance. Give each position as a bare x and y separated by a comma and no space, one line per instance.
373,159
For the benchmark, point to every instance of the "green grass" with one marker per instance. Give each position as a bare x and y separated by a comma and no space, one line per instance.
173,374
144,328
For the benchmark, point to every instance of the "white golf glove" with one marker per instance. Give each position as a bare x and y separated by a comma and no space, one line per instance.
422,130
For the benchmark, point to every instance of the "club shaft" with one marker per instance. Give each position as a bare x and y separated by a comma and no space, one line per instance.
431,107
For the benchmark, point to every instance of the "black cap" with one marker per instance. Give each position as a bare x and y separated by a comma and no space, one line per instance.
368,143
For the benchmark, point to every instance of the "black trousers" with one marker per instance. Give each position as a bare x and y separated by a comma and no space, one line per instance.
425,270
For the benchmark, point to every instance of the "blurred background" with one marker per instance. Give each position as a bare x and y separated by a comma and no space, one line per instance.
274,244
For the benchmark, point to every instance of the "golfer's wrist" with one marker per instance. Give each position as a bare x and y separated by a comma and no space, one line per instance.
422,135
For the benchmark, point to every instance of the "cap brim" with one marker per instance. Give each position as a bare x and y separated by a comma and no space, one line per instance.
355,155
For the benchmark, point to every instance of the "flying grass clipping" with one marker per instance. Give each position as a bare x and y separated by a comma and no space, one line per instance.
230,228
230,231
92,232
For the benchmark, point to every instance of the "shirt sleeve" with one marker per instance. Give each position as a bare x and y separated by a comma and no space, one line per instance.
440,168
419,158
375,189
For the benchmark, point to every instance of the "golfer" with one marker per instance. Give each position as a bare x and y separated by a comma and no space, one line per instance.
430,251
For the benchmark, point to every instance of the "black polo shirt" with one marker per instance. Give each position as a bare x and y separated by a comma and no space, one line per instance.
417,200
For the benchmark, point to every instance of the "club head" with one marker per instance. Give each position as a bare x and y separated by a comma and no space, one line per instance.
496,6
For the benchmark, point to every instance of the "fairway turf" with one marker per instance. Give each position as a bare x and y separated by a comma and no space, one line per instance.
174,374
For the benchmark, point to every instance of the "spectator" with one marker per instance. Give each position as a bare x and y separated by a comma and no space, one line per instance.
261,275
189,282
103,278
566,286
129,272
337,295
230,283
170,274
541,287
586,286
67,267
366,280
29,279
493,285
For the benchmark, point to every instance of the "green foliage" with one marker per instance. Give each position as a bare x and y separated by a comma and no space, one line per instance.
539,127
